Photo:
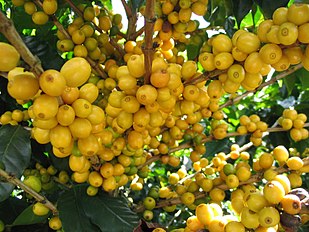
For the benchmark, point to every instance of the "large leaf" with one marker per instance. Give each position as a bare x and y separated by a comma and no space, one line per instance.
15,153
303,74
13,205
27,217
241,8
80,212
269,6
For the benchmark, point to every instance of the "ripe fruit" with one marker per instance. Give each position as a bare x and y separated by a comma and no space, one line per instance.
23,86
76,71
270,53
280,153
9,57
52,82
298,13
82,108
45,107
248,42
291,204
50,6
288,33
269,216
273,192
40,209
295,163
204,213
39,17
55,223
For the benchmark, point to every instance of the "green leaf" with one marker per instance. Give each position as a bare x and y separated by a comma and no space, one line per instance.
192,51
80,212
269,6
27,217
241,8
303,74
13,205
216,146
289,82
15,153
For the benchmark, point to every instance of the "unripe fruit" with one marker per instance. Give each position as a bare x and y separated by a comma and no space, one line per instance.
33,182
9,57
187,198
233,226
249,218
256,201
40,209
149,203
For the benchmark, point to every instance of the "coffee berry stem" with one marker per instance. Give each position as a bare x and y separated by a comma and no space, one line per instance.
271,81
7,28
112,41
13,180
253,179
148,50
208,139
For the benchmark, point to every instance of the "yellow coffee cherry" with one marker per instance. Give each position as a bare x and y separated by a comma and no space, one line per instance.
295,163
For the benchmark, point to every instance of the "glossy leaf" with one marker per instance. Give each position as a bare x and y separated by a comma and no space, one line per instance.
13,205
303,74
269,6
241,8
15,153
80,212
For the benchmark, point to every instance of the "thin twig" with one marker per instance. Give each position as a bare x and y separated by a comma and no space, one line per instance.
253,179
204,77
148,49
126,8
8,29
15,181
271,81
208,139
112,41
